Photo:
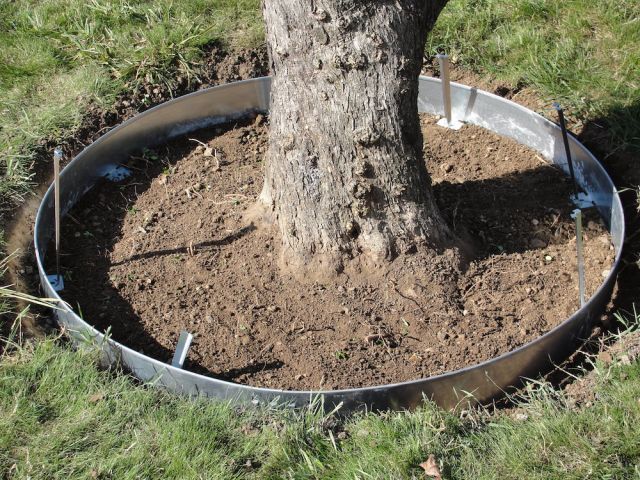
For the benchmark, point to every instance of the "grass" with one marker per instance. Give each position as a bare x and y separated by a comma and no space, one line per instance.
60,57
63,417
584,54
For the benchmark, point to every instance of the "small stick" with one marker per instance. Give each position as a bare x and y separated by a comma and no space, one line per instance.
374,337
578,216
180,355
446,85
57,156
565,139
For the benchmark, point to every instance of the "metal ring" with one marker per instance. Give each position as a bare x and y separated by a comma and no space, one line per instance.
483,381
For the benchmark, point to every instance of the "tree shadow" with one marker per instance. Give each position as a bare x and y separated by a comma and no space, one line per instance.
209,244
513,213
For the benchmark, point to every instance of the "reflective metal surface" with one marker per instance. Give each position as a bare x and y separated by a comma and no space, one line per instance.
484,381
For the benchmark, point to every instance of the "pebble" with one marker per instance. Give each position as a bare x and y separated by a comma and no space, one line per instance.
605,273
442,335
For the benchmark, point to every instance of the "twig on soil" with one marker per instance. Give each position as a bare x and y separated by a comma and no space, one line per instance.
541,160
374,337
190,191
469,290
455,214
410,299
268,347
235,196
73,219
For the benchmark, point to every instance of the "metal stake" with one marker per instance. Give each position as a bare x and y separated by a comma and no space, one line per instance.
567,149
180,355
56,280
577,213
445,78
57,155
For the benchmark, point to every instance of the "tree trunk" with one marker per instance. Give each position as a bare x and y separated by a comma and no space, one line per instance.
344,171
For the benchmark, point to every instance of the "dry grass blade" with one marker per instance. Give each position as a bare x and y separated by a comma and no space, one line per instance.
7,292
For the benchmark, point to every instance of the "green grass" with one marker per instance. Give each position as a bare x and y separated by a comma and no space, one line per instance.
62,417
58,57
584,54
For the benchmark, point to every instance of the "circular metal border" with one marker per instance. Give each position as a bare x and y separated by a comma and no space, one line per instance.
481,382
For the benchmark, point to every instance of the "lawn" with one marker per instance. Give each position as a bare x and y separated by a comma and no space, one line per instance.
59,57
583,54
62,417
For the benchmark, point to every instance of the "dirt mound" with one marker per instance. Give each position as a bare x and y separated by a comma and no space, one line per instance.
169,250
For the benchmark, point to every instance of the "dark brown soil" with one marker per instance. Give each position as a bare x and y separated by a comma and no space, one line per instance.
168,250
17,218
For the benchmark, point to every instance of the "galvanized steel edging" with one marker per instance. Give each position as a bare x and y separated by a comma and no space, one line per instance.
483,381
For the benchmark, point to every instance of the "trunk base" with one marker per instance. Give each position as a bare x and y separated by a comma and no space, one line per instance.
325,267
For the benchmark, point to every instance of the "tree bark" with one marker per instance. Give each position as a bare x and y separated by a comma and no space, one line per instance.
344,170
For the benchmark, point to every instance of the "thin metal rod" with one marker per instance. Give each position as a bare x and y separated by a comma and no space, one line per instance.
578,215
57,156
180,355
567,149
446,85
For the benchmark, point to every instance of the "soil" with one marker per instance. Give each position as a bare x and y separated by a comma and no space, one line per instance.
218,66
168,250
